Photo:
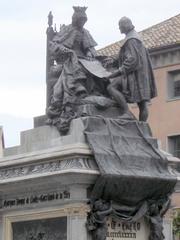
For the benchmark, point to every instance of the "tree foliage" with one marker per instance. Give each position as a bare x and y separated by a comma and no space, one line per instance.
176,223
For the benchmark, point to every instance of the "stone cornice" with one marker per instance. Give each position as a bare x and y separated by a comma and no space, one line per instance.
47,154
164,49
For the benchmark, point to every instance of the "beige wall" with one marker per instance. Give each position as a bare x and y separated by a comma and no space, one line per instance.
176,200
164,115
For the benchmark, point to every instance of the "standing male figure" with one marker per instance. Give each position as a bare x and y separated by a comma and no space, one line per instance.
134,80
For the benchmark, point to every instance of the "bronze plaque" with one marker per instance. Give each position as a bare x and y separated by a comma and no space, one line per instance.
44,229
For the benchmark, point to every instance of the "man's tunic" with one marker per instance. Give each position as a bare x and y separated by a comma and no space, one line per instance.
137,70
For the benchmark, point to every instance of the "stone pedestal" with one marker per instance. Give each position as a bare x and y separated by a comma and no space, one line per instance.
46,177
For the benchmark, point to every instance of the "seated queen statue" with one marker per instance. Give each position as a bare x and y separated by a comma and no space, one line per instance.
81,76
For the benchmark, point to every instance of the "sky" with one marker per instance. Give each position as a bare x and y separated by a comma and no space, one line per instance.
23,26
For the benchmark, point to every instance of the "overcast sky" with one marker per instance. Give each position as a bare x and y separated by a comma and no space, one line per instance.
23,25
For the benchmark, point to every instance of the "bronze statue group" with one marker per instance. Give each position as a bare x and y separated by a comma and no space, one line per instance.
82,81
129,77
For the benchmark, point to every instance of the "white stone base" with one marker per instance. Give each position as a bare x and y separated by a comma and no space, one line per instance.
75,213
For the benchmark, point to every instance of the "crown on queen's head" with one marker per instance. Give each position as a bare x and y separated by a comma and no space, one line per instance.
79,9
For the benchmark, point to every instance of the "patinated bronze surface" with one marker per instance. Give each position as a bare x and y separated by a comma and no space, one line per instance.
135,181
134,173
133,82
75,73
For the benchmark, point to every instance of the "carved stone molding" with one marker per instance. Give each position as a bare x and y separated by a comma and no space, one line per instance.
83,163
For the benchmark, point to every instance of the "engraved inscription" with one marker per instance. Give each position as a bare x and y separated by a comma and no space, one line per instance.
35,199
125,230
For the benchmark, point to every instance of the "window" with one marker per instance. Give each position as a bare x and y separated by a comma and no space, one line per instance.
174,84
177,88
174,145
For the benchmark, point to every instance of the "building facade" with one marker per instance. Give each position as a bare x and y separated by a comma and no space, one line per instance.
165,109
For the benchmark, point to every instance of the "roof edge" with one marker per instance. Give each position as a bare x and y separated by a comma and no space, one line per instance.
165,48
